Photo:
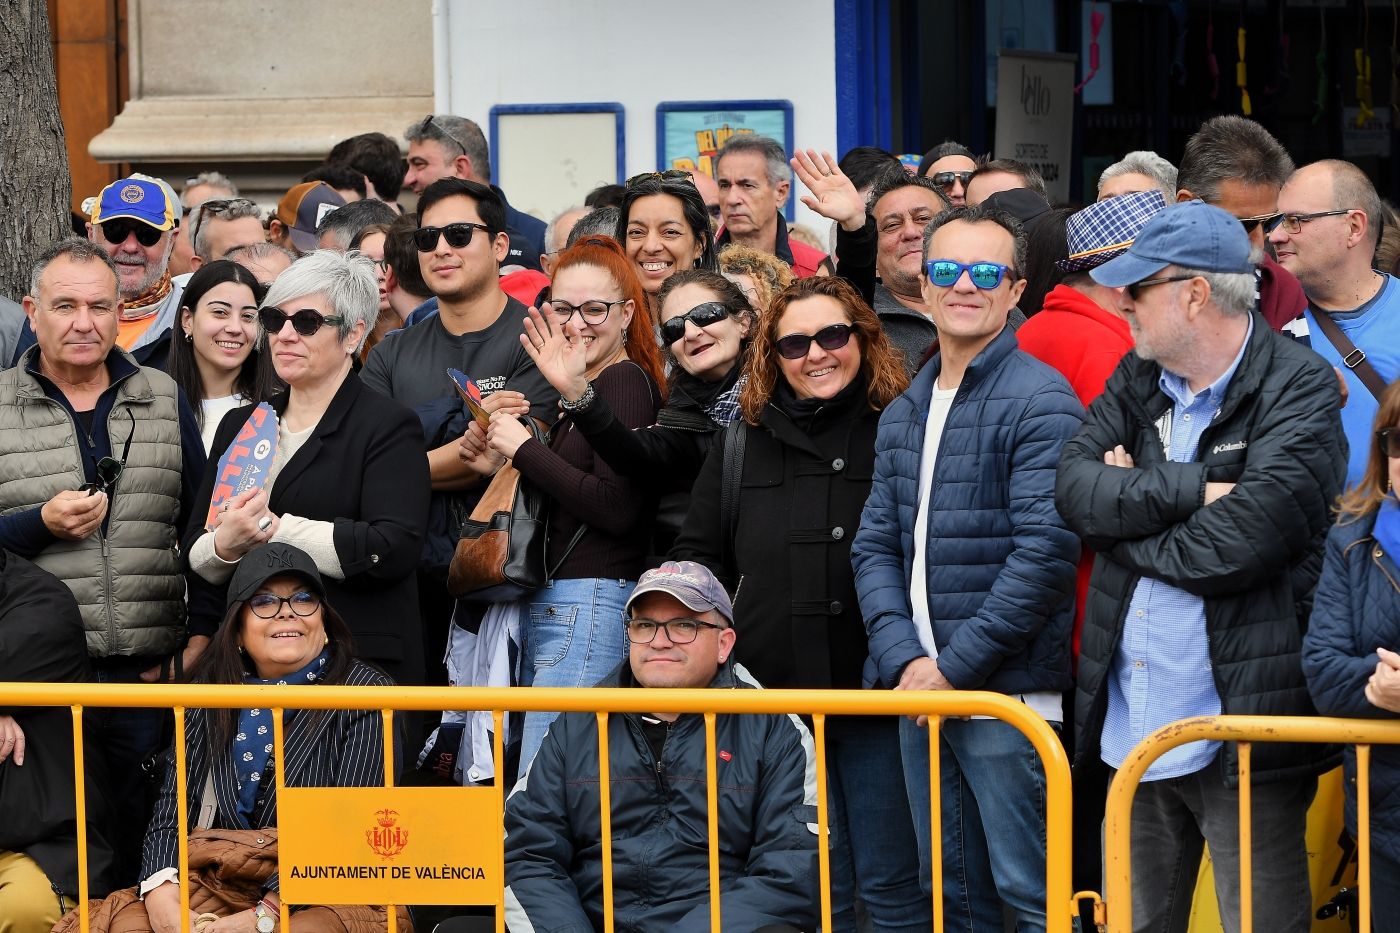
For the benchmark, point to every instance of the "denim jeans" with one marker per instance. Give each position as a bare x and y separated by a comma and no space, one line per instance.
873,850
1174,817
573,637
993,832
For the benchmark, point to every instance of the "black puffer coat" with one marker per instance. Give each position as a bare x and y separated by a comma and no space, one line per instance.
1254,555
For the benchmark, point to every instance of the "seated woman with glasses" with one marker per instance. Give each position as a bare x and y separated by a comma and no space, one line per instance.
600,522
216,360
820,372
279,628
347,481
1351,652
705,328
665,228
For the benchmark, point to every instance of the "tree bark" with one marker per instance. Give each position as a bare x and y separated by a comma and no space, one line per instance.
35,187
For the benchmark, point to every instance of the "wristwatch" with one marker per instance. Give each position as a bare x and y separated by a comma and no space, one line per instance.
267,919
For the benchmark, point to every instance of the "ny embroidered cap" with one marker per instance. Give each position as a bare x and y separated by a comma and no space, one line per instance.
139,197
266,561
302,209
1105,229
1191,234
689,582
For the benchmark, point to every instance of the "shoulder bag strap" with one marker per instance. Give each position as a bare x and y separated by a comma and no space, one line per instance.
544,437
732,473
1353,357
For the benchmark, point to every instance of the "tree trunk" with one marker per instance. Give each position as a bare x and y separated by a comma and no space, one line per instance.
35,187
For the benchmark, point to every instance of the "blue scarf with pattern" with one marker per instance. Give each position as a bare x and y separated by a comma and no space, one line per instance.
252,744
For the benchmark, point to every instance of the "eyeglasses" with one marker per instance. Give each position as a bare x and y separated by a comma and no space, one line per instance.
215,206
1136,288
429,120
592,312
381,266
946,272
679,631
1388,440
945,180
116,231
796,346
268,605
1249,223
702,315
305,322
458,235
669,174
109,469
1293,223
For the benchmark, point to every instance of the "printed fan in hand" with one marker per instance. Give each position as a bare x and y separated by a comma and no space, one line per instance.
245,464
471,395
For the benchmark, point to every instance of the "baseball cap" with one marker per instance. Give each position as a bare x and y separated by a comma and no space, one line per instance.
303,207
689,582
139,197
1105,229
266,561
1191,234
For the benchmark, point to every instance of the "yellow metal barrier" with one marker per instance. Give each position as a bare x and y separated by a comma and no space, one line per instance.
709,703
1245,730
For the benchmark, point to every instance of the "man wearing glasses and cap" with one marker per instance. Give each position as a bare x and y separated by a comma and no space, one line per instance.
100,464
1204,477
681,628
443,146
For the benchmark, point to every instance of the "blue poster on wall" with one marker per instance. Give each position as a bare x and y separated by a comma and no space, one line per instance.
690,133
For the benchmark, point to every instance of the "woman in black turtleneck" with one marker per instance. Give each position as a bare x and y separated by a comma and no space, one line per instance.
819,373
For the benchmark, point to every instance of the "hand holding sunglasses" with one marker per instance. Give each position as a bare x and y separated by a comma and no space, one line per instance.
74,514
702,316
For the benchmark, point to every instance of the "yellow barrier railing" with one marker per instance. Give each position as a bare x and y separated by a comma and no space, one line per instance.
1363,733
600,701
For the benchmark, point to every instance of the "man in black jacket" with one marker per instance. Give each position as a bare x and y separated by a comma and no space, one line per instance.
680,625
41,640
1203,476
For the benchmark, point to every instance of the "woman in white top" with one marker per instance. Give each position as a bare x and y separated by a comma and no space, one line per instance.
216,360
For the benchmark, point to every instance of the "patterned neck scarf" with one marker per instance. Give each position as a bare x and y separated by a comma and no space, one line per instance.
149,301
252,745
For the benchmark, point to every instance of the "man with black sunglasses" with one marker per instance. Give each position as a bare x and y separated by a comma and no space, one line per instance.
104,459
964,470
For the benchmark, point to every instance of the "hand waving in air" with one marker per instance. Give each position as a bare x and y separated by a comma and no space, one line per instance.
833,195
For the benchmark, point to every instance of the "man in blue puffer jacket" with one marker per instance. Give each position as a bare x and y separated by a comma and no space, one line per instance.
965,570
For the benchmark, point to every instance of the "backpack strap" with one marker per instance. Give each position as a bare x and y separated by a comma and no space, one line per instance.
731,474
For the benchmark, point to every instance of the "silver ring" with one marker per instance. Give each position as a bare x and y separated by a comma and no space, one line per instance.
265,523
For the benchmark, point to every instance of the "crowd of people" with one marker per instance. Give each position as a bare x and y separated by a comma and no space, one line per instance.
1127,462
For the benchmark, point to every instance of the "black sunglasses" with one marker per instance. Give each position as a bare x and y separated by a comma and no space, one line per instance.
458,235
109,469
945,180
1388,439
1135,289
1250,223
702,315
831,337
305,322
116,231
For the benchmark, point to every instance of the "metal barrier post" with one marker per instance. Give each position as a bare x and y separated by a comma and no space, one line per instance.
279,774
712,820
935,806
498,756
823,819
1363,834
80,784
1246,840
605,819
182,808
390,910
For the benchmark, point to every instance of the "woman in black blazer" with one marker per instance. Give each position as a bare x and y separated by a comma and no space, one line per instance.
348,483
279,629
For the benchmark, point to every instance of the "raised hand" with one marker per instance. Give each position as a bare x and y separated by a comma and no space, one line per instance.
833,194
559,354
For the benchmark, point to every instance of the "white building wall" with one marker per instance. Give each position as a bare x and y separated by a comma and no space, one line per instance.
637,53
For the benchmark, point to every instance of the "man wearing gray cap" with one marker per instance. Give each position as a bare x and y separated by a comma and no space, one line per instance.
1203,476
681,628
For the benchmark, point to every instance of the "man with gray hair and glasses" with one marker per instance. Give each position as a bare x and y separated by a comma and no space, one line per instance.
1138,171
219,226
754,182
1326,235
443,146
1204,477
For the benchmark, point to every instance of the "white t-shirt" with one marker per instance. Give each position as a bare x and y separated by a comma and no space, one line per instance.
214,410
1049,704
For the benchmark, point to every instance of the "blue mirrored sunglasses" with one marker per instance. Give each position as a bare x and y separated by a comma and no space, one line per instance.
946,272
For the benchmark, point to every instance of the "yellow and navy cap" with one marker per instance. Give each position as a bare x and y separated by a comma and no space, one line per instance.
139,198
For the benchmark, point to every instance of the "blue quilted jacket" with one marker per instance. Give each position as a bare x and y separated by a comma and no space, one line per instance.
1357,610
1001,563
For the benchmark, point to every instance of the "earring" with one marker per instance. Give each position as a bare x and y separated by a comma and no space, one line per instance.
240,648
189,337
326,642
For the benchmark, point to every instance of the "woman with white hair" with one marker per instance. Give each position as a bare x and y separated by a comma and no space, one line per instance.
348,482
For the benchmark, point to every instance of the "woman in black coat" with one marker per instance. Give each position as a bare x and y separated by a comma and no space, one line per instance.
819,373
348,482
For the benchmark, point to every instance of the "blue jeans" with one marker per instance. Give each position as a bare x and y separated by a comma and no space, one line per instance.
873,849
993,799
573,637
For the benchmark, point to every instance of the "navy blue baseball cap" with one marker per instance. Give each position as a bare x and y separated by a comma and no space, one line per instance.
1192,235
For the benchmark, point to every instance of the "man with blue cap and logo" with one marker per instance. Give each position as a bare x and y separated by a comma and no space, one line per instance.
1203,476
